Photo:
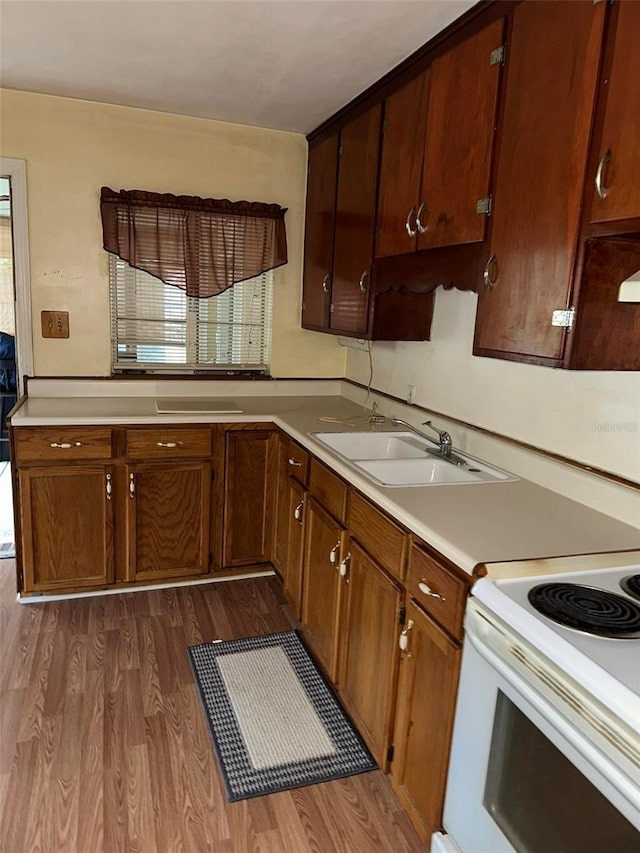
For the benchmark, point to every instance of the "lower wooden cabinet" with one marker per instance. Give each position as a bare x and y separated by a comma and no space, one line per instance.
369,650
167,519
324,542
296,506
428,683
66,520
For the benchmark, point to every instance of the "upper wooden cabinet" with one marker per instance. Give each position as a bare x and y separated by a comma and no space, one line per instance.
437,149
318,235
616,161
551,75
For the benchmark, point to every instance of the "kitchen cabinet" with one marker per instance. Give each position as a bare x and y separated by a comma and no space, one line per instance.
295,541
437,149
372,604
167,519
429,671
551,74
318,235
249,495
615,173
66,523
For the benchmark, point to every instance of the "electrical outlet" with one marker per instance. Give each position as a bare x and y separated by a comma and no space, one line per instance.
411,394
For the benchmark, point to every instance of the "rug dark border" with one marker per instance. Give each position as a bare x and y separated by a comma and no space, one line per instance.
233,797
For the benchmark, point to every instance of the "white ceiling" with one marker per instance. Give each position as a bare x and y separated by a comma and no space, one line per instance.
286,64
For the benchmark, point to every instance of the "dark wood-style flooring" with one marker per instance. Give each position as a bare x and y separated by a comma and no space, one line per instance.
104,746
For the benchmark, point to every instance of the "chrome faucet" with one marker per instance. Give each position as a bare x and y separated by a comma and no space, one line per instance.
443,442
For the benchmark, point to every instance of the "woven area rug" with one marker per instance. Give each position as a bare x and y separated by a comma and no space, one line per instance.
274,721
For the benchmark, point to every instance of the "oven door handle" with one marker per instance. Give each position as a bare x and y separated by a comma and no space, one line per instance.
616,777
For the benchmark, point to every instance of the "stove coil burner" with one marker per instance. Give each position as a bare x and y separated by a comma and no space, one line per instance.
631,585
587,609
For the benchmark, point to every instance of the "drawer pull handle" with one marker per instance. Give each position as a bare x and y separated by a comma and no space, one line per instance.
108,487
361,281
297,513
486,275
169,444
294,462
421,228
65,445
132,486
424,587
411,232
333,554
601,188
344,567
325,283
404,637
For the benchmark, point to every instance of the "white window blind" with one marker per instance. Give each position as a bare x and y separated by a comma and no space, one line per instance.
156,327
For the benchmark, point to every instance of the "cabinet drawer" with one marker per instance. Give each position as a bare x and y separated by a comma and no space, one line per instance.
298,463
168,443
437,590
62,444
381,537
330,490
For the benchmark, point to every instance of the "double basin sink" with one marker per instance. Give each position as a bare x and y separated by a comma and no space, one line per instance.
404,459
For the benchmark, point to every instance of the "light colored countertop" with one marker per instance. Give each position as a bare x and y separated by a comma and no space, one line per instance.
468,524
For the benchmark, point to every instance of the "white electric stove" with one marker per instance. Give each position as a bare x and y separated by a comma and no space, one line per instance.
546,744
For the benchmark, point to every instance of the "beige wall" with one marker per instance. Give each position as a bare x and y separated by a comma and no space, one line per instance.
592,417
72,148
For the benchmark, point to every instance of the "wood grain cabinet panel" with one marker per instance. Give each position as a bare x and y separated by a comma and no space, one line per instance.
328,489
249,494
295,541
617,169
355,223
62,444
369,648
379,534
438,590
167,442
428,683
552,65
66,518
318,234
322,587
167,519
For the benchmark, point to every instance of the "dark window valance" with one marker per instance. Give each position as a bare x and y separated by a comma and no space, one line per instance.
202,245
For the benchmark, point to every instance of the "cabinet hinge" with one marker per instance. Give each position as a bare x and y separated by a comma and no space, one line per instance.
385,125
497,55
483,205
563,318
21,580
332,308
340,150
402,615
390,751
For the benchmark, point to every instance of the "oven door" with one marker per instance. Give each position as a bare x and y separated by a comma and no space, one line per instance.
523,775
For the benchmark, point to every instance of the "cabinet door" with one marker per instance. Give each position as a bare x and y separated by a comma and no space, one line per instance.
429,670
463,95
318,236
619,196
552,63
369,649
405,117
295,541
281,515
248,498
355,221
167,519
322,587
66,517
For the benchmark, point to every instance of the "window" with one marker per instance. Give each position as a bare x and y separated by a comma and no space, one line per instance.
157,327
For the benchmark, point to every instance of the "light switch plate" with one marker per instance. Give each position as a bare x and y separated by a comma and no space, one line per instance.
55,324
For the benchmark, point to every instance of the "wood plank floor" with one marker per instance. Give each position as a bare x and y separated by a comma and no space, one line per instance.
104,745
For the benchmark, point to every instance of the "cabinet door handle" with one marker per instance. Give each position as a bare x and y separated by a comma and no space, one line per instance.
294,462
361,281
421,228
424,587
486,275
65,445
297,513
601,189
108,486
407,225
169,444
404,637
132,486
344,567
333,553
325,283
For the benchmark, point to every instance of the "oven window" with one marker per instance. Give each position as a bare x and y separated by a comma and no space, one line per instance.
540,801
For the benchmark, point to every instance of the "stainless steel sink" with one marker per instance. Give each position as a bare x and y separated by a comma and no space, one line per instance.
402,459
